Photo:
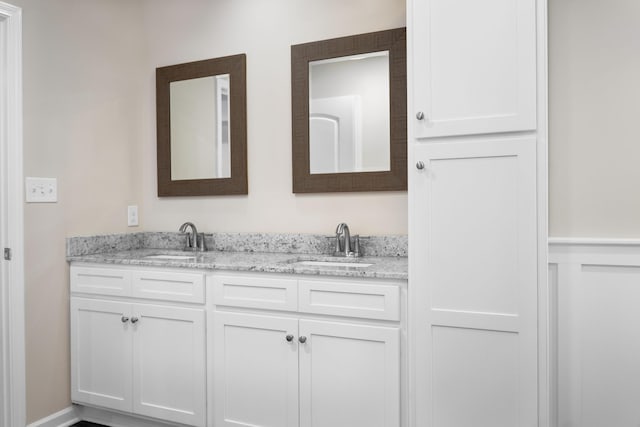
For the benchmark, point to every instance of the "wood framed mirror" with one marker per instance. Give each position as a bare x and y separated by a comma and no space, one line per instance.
202,127
349,113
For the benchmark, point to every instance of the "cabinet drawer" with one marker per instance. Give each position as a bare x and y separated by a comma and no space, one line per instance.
168,286
103,281
366,300
252,292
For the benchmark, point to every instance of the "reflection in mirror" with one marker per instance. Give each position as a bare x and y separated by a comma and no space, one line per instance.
200,128
349,114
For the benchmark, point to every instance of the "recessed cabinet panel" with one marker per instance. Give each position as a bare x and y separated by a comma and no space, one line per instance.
255,292
103,281
474,66
466,192
255,371
101,353
169,286
482,225
169,362
366,300
475,378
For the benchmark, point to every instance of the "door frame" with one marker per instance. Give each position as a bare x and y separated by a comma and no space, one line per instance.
12,332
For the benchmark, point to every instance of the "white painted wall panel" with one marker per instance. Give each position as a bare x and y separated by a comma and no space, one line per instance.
598,333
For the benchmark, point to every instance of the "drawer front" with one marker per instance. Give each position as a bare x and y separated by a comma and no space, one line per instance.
168,286
102,281
255,292
365,300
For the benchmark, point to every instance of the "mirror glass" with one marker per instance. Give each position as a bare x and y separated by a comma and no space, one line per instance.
349,114
201,119
200,128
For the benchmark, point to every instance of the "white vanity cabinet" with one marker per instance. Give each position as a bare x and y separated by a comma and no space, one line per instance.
136,346
473,64
294,362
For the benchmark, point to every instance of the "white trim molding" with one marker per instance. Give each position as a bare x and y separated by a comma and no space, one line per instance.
595,289
118,419
12,282
76,413
546,398
589,241
65,418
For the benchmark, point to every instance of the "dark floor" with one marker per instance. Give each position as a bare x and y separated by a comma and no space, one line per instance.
87,424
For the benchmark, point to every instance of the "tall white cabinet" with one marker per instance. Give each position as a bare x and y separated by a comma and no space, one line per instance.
477,224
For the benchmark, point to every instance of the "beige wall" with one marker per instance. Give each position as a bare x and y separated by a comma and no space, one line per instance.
594,111
265,31
82,104
90,122
89,103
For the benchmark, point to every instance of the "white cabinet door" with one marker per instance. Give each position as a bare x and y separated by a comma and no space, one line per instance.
255,370
349,375
101,353
169,363
473,292
472,66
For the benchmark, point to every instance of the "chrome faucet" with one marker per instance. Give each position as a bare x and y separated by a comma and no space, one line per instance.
195,240
343,242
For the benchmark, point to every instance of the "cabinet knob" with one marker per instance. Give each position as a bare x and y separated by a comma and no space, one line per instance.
302,339
420,115
124,319
134,320
289,338
420,165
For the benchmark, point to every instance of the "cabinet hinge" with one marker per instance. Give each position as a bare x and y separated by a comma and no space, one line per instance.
7,254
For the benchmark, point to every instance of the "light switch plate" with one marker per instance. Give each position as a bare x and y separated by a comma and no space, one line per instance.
41,190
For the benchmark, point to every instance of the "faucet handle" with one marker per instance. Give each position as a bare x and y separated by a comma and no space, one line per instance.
201,244
356,245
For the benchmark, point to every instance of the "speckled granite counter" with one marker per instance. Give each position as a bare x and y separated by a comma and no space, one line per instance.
383,267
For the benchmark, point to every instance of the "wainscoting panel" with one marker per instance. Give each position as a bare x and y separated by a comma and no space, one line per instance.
596,284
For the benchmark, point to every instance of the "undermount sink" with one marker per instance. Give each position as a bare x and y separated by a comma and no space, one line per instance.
169,257
334,264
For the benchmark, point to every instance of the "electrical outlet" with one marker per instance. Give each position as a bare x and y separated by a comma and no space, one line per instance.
41,190
132,216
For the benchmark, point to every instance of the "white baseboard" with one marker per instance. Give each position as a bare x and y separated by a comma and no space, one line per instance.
65,418
117,419
76,413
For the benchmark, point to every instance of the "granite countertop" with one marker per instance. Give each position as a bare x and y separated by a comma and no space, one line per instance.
381,268
260,252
